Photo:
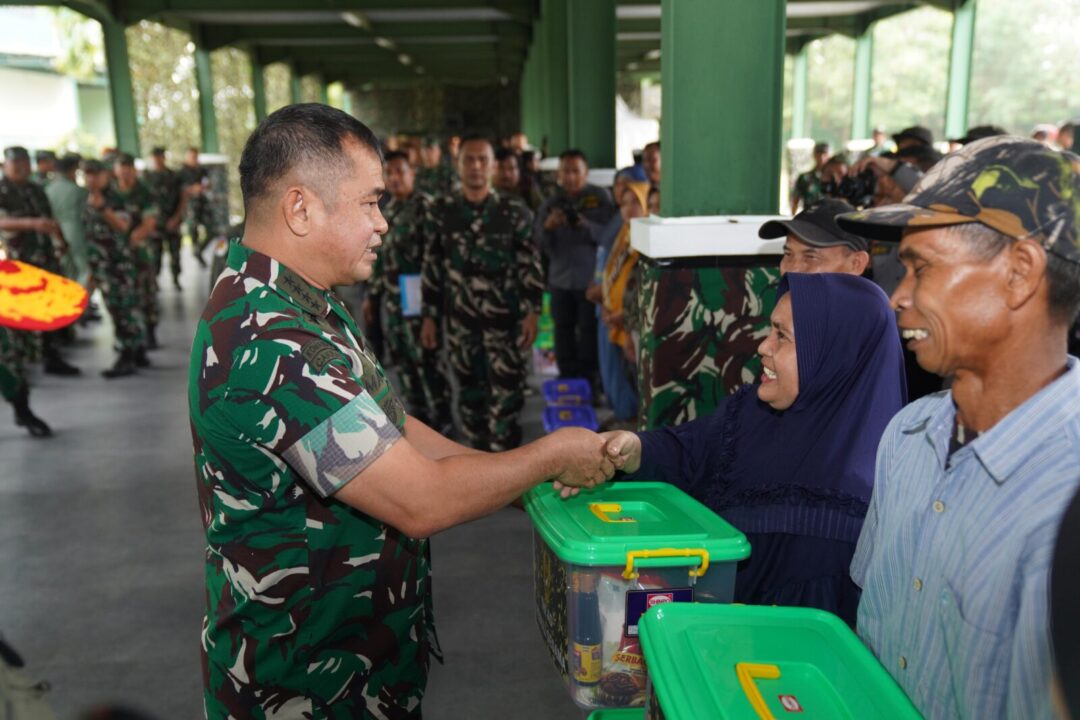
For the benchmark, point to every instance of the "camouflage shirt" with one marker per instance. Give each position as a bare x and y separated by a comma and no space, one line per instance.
482,266
136,203
314,609
402,252
808,187
26,201
438,181
165,188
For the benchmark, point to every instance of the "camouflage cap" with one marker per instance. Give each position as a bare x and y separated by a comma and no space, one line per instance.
1016,186
16,152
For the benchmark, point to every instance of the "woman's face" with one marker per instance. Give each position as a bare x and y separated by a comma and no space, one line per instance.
780,378
629,205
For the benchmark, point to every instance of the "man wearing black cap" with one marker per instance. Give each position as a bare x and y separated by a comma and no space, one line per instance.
807,189
816,244
971,483
45,160
168,194
913,137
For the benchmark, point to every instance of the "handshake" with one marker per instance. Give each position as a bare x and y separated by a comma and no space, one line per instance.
585,459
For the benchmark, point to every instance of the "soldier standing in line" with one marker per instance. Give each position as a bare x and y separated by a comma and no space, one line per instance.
112,265
435,177
132,197
482,271
194,180
396,286
45,160
31,234
169,196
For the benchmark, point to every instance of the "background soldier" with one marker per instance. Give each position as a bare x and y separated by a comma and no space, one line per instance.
45,160
131,196
169,197
67,201
31,235
112,265
483,270
435,177
195,182
408,215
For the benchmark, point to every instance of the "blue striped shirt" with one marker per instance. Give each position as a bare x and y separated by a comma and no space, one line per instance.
954,561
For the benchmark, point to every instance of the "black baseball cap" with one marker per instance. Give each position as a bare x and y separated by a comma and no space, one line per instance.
16,152
978,133
916,132
816,226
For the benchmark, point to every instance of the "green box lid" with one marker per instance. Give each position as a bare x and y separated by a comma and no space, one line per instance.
600,527
709,660
618,714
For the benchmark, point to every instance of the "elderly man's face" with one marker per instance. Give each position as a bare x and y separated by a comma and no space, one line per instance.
347,232
951,304
17,171
801,257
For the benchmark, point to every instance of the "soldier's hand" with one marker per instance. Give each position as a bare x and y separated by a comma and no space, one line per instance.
624,449
584,461
429,334
595,293
554,219
529,330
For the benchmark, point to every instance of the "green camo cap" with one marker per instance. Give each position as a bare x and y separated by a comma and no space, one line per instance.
1016,186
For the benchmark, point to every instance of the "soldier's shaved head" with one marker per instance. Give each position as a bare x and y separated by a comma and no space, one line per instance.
306,143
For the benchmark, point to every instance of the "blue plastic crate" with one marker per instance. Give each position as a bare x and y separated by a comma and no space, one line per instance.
558,416
567,391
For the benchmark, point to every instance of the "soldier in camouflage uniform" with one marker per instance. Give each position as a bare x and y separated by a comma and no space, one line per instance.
426,389
314,485
482,273
112,265
45,160
24,227
134,198
169,196
435,177
195,182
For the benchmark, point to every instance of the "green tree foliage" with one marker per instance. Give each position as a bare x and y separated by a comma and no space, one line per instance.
310,89
1026,53
831,64
277,78
234,107
82,47
163,77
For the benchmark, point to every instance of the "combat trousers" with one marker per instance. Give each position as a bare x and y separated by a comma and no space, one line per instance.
113,269
423,380
12,370
160,242
490,371
146,283
575,334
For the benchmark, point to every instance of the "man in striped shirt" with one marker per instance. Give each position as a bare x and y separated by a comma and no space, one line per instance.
971,483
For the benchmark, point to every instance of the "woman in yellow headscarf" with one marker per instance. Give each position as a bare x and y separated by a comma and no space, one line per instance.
621,262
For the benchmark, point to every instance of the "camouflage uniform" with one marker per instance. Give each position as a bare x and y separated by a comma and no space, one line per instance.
313,609
112,265
137,203
166,189
427,392
200,224
808,188
482,270
438,181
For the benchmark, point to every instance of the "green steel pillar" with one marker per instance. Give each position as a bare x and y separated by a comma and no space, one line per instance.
296,94
721,145
590,32
558,74
800,82
864,66
204,81
960,53
121,92
258,88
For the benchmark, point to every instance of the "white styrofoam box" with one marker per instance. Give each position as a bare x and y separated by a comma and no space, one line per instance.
702,236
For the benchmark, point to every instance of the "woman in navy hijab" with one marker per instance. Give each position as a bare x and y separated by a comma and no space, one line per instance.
790,461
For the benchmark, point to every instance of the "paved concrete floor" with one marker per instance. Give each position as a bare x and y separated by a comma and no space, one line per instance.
101,552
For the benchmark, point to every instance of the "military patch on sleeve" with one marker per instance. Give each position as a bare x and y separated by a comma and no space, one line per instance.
319,354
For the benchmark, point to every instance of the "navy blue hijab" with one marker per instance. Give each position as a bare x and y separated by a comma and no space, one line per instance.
809,470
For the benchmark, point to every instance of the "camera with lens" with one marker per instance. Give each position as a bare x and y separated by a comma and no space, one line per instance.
569,208
858,190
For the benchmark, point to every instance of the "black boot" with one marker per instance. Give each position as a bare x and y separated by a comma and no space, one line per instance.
151,337
140,359
56,365
24,418
124,366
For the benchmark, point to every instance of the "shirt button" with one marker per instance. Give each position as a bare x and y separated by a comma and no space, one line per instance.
939,507
903,663
917,584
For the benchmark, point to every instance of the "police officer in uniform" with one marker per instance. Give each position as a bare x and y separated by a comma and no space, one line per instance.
482,273
397,272
165,185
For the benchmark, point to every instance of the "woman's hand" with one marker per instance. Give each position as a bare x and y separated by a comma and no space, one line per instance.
624,449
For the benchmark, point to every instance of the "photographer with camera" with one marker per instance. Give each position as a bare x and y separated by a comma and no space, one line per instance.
566,229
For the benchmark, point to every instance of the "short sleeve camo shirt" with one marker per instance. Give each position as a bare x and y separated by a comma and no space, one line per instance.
314,609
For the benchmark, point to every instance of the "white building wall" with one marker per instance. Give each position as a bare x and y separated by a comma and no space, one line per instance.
45,113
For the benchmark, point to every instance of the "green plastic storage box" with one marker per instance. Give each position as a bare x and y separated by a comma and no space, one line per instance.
743,662
601,559
618,714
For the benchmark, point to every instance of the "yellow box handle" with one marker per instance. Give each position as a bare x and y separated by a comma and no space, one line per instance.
601,511
629,573
747,672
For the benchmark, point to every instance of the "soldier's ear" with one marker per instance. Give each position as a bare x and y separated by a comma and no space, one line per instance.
294,208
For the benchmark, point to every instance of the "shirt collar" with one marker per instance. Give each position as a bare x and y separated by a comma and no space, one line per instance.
1008,444
279,278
